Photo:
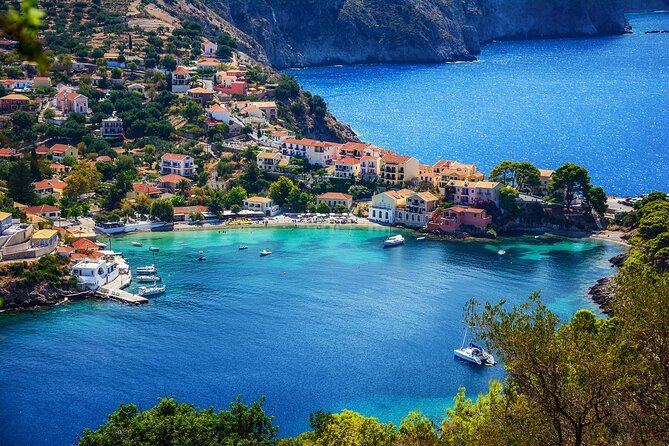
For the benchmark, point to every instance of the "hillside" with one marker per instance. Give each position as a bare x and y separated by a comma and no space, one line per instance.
289,33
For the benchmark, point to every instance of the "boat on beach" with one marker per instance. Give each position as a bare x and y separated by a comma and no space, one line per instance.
148,278
145,291
148,269
395,240
474,353
265,252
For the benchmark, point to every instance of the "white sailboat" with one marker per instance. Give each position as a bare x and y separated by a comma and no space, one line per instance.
395,240
151,290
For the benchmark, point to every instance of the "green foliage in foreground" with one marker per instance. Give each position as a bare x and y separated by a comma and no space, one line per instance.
173,423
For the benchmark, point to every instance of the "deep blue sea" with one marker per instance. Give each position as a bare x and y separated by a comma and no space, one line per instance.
600,102
329,321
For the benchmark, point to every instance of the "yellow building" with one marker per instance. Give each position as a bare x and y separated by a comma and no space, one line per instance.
44,238
396,170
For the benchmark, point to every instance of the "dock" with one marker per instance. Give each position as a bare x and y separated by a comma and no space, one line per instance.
114,291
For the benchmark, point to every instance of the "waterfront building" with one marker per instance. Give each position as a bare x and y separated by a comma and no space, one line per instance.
347,168
545,176
467,193
396,170
178,164
92,274
417,209
262,205
370,167
182,213
454,218
332,199
384,205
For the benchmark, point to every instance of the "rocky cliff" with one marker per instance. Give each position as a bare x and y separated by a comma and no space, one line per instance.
289,33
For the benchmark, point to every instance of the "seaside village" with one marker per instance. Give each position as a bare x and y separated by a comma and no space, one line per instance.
111,142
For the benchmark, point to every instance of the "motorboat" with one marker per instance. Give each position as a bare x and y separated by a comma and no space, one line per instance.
149,278
201,259
148,269
138,244
394,240
420,238
154,249
241,247
501,252
474,353
265,252
145,291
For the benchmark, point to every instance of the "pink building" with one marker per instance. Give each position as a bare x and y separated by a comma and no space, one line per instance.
453,218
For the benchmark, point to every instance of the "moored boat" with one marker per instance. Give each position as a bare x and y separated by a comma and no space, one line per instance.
148,278
420,238
474,353
145,291
138,244
265,252
501,252
154,249
148,269
394,240
241,247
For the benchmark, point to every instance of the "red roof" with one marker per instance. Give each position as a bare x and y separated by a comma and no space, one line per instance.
189,209
42,150
68,95
335,196
349,161
84,244
174,157
41,209
173,178
103,159
53,183
142,188
302,142
88,255
64,249
465,209
6,152
180,70
395,158
59,148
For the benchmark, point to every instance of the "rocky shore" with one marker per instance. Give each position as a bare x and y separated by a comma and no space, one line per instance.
19,296
601,292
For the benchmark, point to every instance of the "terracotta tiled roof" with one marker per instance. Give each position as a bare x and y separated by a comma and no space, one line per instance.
335,196
173,178
174,156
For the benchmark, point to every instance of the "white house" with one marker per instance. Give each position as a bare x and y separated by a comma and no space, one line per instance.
91,275
384,205
139,88
67,102
111,127
180,80
179,164
332,199
317,152
261,204
417,209
269,161
218,112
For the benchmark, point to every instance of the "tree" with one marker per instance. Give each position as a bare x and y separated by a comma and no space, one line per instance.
196,216
508,197
299,201
503,172
280,189
217,203
235,209
143,204
252,178
179,423
20,184
162,210
22,120
359,191
339,209
236,195
192,110
596,198
224,169
168,62
569,180
527,177
116,73
182,187
82,180
322,208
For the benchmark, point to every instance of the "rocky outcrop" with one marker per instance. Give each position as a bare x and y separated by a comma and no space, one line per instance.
293,33
20,296
602,293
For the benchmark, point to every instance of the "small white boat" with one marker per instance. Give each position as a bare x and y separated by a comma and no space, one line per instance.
150,278
265,252
474,353
148,269
145,291
501,252
138,244
420,238
395,240
201,259
201,252
241,247
154,249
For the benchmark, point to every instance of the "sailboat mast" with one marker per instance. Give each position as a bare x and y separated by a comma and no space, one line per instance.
464,337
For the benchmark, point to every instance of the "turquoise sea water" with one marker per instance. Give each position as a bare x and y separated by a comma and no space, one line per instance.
329,321
600,102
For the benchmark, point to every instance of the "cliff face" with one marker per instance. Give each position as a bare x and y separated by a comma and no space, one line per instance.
317,32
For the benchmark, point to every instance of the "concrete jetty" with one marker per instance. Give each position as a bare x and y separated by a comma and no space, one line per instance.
114,290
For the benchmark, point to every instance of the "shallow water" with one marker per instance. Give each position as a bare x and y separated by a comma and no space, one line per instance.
329,321
599,102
